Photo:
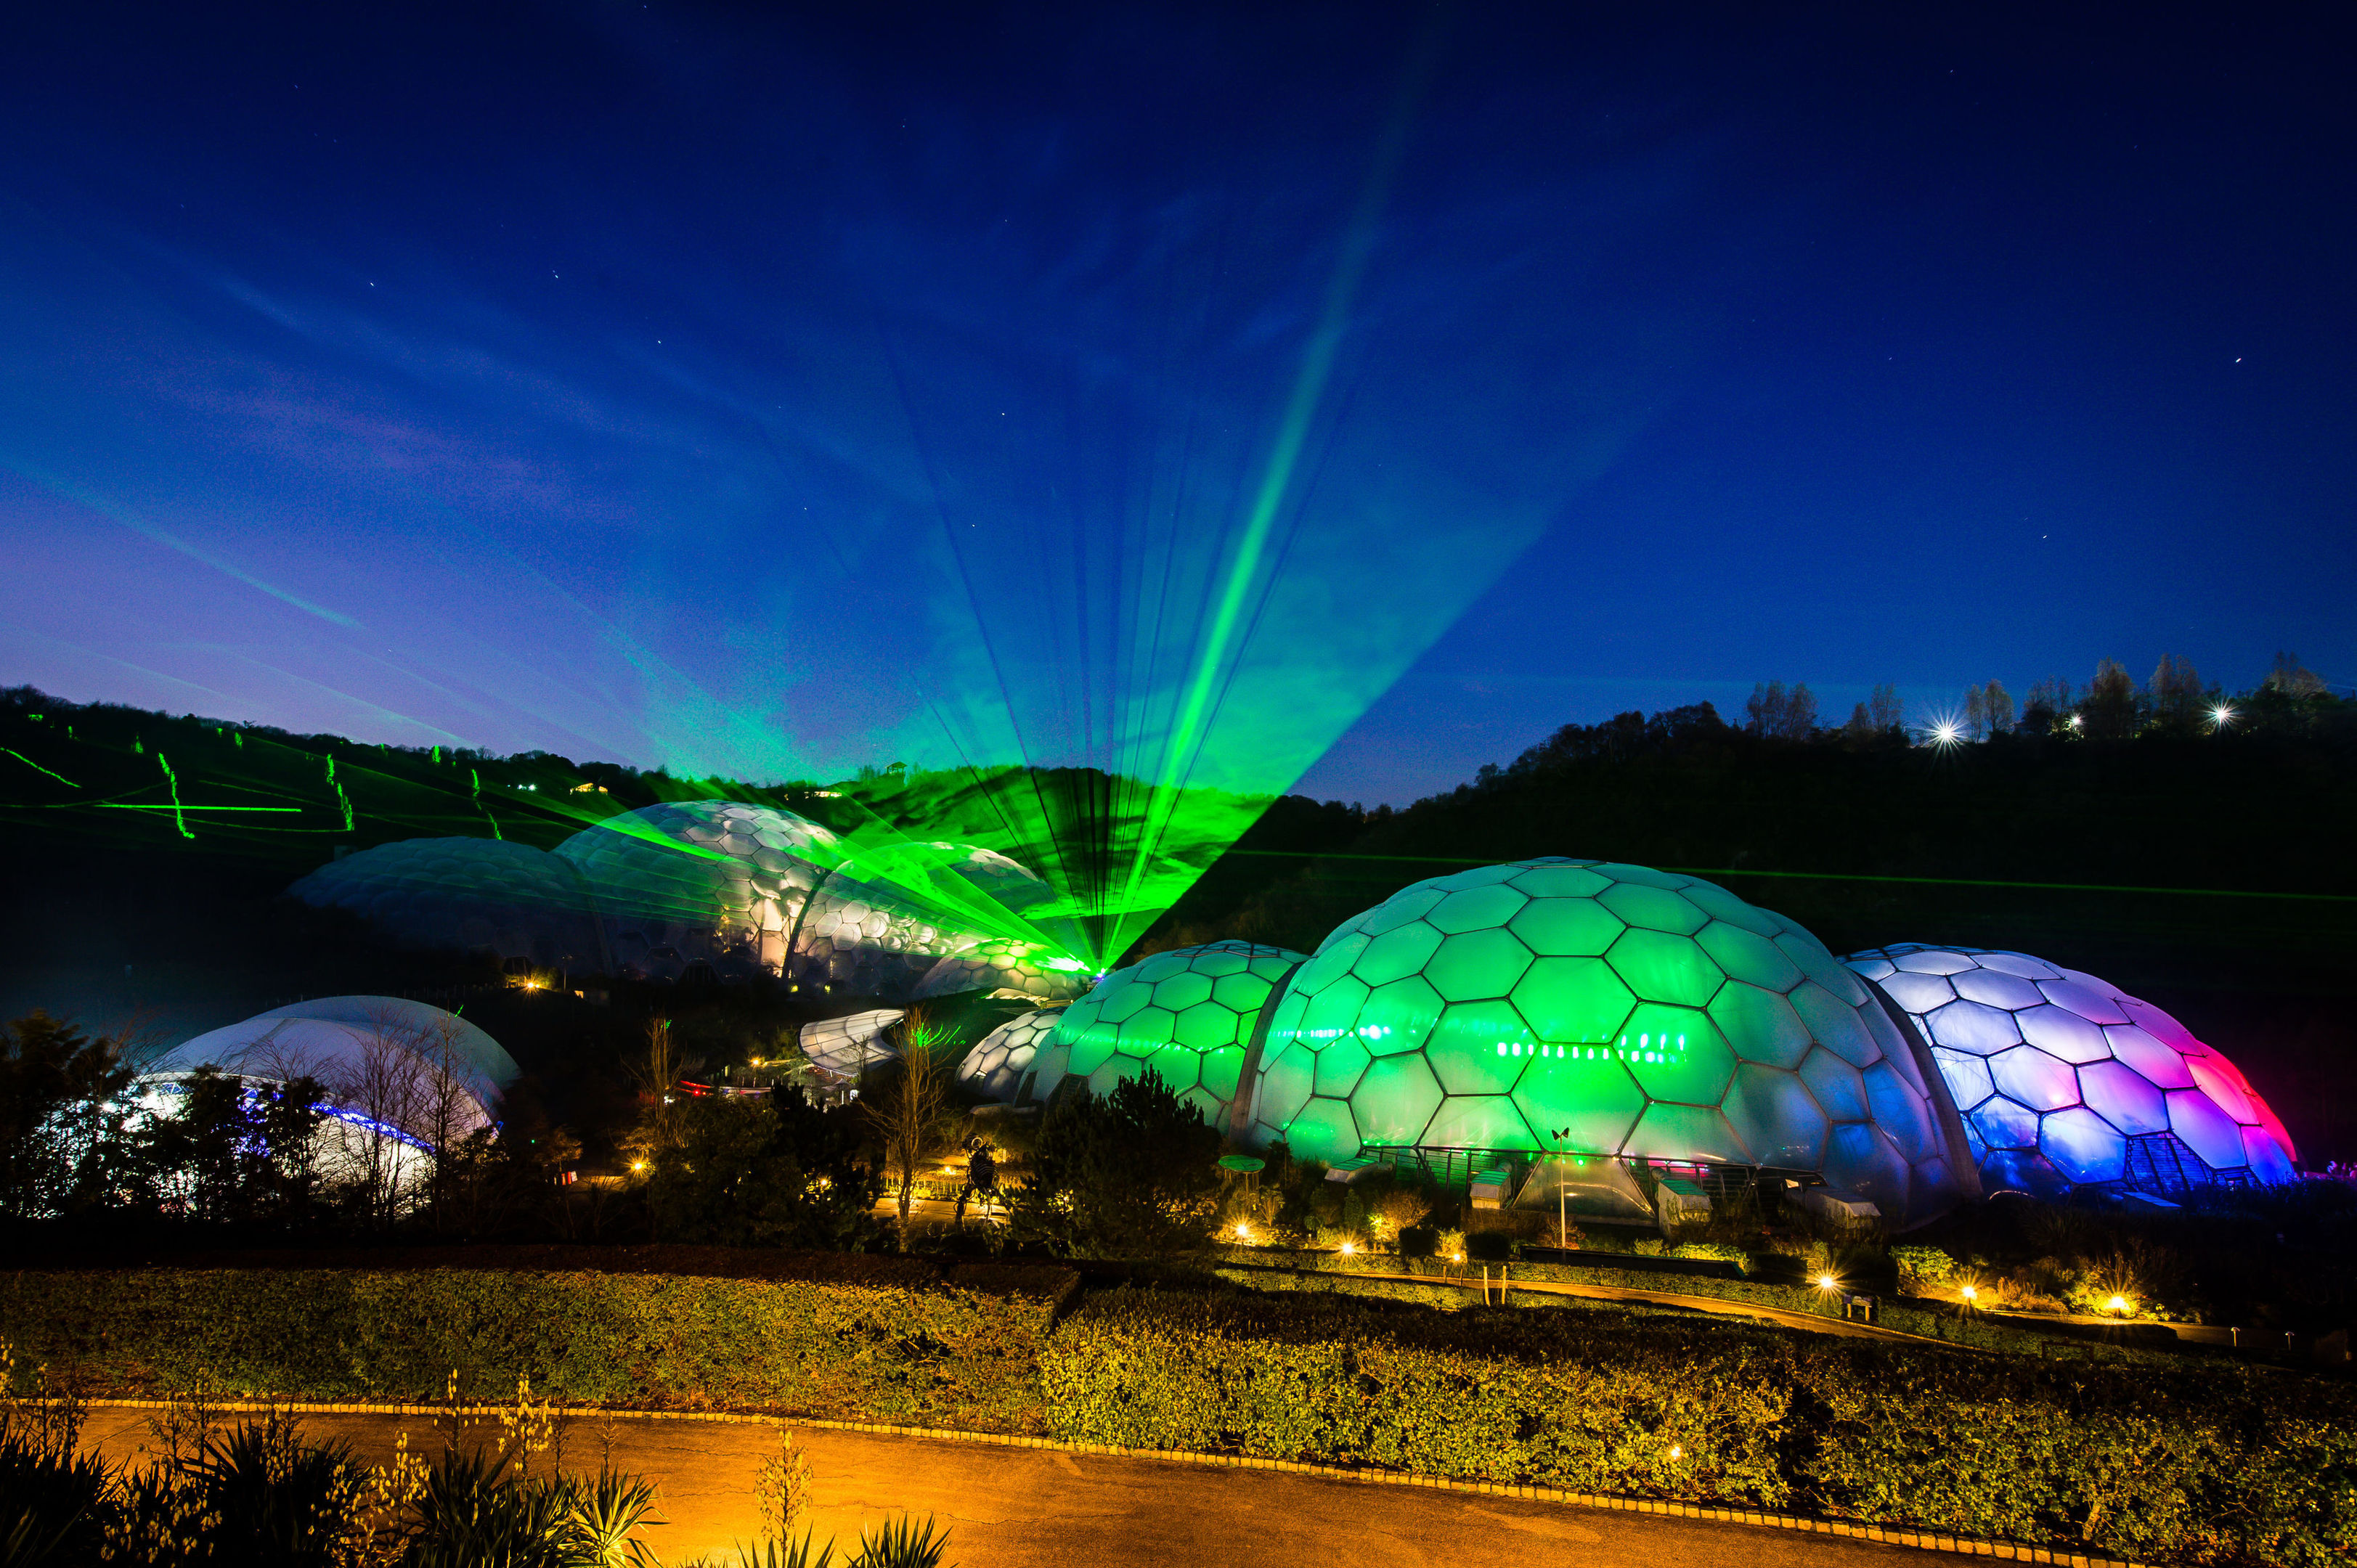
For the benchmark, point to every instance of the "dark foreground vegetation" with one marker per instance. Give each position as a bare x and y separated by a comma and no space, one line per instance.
494,1492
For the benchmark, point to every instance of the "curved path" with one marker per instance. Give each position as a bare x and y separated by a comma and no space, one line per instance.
1810,1322
1040,1507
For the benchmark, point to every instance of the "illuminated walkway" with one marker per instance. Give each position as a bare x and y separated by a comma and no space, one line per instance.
1812,1322
1032,1508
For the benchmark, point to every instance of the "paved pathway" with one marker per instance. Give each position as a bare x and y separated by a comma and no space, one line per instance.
1813,1323
1033,1508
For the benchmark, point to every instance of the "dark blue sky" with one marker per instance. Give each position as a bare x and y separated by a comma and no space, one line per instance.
769,396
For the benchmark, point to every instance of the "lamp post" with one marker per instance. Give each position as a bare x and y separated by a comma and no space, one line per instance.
1562,1205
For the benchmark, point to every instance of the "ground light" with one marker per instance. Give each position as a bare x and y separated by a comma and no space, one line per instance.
1970,1293
638,1165
1826,1282
1348,1249
2118,1304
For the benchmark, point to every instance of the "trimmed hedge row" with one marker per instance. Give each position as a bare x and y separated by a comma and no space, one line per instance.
2201,1468
941,1355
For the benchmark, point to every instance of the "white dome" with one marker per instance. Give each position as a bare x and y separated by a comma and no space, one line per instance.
377,1056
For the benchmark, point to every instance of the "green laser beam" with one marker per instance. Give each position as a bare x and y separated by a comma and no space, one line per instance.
341,799
1842,877
39,769
178,820
122,806
1191,724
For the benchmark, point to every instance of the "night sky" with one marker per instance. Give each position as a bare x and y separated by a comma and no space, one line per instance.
767,396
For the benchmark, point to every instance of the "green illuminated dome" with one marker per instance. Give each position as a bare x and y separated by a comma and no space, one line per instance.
1597,1009
1189,1014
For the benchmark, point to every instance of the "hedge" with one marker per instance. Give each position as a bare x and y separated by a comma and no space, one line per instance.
2213,1466
938,1356
1981,1331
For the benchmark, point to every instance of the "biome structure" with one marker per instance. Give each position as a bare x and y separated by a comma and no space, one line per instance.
428,1075
710,889
1576,1015
1582,1015
998,1062
2063,1080
1189,1013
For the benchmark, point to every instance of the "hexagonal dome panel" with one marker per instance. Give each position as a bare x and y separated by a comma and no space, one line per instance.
1189,1013
1602,1009
1000,1058
2066,1081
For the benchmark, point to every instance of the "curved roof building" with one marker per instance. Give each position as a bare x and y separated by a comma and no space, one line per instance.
1002,966
2064,1080
843,1049
467,895
748,890
1601,1009
1000,1058
1191,1014
377,1056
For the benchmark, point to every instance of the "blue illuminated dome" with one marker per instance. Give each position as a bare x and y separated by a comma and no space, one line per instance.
2065,1080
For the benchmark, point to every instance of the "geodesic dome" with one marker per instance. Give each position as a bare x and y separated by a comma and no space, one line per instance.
1189,1013
374,1056
845,1048
1599,1009
706,881
2063,1079
1002,964
467,895
1000,1058
751,890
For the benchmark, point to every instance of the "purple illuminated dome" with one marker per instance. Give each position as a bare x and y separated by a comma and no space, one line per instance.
2064,1080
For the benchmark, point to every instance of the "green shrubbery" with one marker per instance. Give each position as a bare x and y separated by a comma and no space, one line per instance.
2213,1466
871,1352
2199,1465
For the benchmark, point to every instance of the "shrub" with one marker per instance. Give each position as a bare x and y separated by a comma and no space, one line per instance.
2204,1466
885,1353
1489,1246
1922,1268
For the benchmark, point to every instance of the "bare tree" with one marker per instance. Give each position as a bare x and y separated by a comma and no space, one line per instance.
906,1115
1781,714
2109,710
658,1076
2176,692
2294,678
2048,708
1996,704
379,1095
